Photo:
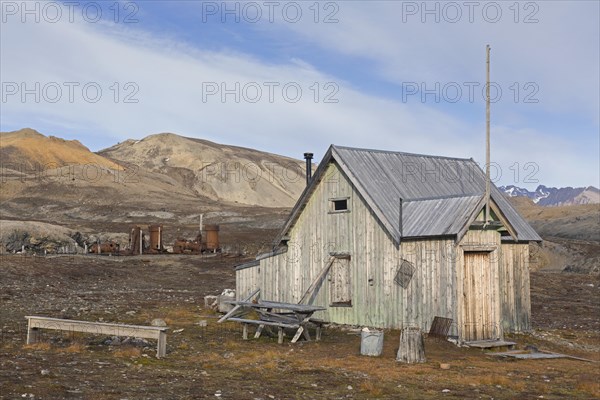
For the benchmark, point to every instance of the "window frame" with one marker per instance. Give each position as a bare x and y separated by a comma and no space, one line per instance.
334,200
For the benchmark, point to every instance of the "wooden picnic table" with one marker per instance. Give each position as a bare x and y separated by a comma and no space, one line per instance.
280,315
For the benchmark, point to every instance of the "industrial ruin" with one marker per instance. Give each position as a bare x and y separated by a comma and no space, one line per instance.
140,243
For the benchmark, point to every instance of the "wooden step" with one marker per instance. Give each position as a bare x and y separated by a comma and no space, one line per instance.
491,344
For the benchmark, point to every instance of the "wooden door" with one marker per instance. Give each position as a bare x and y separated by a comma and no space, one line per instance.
478,295
340,287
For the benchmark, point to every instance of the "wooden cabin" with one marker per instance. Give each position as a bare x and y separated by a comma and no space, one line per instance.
399,239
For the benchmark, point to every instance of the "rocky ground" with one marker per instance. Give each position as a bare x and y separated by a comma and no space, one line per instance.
210,360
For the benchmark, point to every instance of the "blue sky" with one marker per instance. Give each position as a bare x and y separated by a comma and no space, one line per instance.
299,76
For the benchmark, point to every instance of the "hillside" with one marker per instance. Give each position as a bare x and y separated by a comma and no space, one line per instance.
571,236
215,171
569,222
92,194
27,150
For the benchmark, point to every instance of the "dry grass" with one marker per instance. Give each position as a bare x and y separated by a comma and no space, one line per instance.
183,346
181,316
42,346
370,388
489,380
128,352
75,347
592,388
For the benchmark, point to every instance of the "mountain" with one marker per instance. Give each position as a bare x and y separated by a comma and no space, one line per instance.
27,150
218,172
51,179
551,196
163,179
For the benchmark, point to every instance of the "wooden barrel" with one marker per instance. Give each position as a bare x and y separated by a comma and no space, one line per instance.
412,347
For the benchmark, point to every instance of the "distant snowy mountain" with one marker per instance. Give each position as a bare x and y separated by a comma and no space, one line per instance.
551,196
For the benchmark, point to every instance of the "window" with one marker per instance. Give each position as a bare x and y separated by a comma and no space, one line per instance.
339,205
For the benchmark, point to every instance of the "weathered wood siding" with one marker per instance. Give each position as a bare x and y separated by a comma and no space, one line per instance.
247,280
377,300
439,286
478,291
514,286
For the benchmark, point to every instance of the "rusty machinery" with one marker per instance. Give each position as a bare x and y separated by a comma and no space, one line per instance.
105,248
199,245
182,246
156,239
136,240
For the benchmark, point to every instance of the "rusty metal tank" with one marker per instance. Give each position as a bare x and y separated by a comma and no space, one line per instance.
136,240
156,241
212,237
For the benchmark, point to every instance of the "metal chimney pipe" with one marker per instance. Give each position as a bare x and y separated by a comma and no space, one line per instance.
308,157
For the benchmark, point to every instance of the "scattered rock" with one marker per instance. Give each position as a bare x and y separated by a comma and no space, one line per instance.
178,330
228,355
211,301
226,296
444,366
137,342
446,391
45,371
112,341
158,322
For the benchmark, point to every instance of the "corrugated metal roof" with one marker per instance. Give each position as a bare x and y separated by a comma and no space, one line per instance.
437,217
439,194
248,264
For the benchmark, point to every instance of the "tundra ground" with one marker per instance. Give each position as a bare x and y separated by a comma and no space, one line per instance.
213,361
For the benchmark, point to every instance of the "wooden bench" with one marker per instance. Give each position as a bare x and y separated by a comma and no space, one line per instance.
147,332
279,324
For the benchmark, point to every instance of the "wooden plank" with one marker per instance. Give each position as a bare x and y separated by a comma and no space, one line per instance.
259,322
280,335
258,331
161,348
237,307
35,323
301,308
297,335
148,332
317,282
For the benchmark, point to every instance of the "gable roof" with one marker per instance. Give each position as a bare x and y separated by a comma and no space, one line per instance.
440,195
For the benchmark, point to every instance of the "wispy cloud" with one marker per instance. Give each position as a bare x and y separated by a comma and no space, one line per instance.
178,85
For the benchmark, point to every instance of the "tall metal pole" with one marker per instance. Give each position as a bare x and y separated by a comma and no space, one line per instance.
487,139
